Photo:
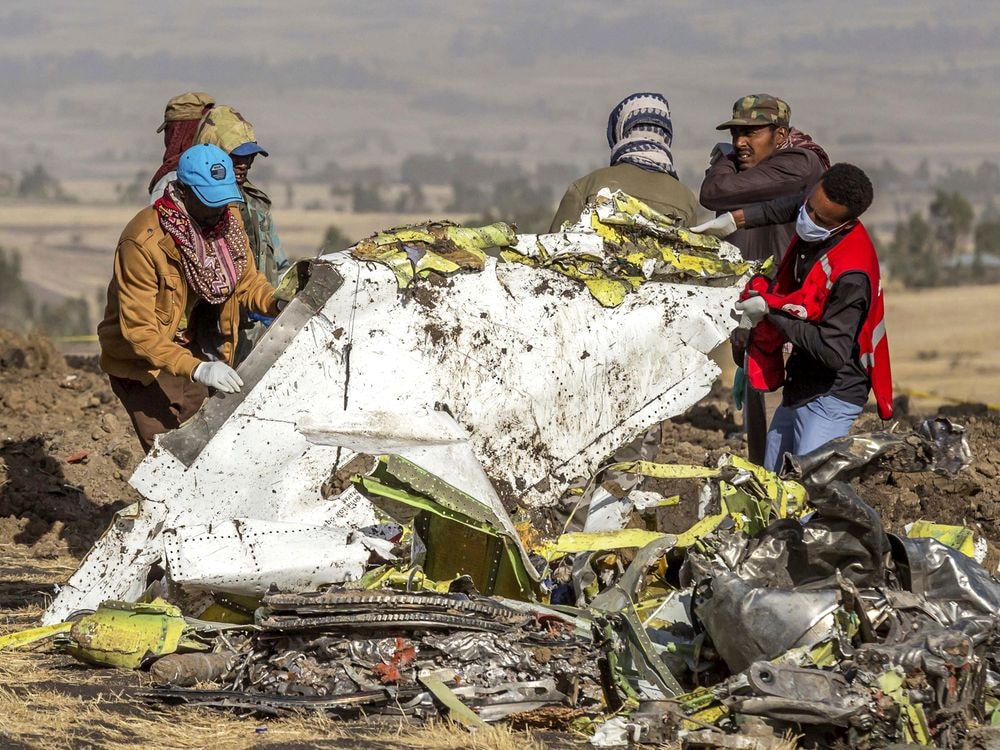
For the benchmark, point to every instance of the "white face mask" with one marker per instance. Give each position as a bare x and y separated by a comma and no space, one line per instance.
809,231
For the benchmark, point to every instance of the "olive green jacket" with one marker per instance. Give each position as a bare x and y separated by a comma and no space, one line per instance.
264,242
659,191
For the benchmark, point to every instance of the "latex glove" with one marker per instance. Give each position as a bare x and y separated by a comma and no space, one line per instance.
722,150
739,387
218,375
752,310
720,226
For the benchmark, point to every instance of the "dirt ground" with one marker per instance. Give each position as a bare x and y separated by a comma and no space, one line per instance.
67,450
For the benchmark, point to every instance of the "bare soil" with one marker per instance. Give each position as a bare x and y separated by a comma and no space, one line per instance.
67,449
972,498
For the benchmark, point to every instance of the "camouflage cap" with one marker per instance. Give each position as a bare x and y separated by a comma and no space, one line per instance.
758,109
228,129
190,105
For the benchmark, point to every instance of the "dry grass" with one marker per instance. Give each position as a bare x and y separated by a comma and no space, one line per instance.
944,340
48,701
48,716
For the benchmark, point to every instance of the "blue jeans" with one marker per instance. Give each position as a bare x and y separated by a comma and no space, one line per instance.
800,429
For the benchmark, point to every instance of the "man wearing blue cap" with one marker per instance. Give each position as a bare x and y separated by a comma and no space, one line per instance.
182,270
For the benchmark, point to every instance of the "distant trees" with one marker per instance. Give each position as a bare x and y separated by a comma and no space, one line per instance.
366,198
135,192
334,239
951,218
37,184
521,201
987,237
936,250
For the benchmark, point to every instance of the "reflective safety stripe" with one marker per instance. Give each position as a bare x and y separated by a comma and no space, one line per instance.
878,334
868,360
825,263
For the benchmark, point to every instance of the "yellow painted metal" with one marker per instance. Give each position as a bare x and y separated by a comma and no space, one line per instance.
959,538
442,247
24,638
597,541
120,634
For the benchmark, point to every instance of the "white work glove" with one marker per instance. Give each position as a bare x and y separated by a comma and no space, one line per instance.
750,311
720,226
218,375
722,150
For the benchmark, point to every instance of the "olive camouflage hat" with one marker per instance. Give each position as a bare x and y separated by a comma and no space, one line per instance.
190,105
758,109
229,130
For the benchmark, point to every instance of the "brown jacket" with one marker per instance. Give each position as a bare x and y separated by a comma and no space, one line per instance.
791,171
147,297
659,191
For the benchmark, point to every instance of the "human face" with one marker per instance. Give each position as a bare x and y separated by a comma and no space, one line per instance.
241,167
824,211
205,216
753,144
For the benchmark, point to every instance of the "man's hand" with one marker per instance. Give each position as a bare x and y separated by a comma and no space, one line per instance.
750,311
218,375
720,226
722,150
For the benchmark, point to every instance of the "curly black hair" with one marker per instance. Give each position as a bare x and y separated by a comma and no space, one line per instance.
849,186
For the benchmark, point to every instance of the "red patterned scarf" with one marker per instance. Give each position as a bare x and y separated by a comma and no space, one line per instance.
178,137
214,259
798,139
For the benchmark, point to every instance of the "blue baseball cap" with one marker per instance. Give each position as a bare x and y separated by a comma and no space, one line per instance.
248,149
208,171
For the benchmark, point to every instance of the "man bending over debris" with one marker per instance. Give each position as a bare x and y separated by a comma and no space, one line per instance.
182,269
640,134
826,299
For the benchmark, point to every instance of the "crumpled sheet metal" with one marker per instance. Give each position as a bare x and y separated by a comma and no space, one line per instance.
794,694
383,651
955,583
244,556
748,623
620,243
511,382
937,445
441,247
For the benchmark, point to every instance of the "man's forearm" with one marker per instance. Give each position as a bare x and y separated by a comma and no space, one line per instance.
780,210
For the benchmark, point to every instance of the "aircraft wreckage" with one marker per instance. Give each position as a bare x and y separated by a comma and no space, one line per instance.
394,517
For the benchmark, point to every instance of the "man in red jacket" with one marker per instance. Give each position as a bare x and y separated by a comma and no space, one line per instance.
826,299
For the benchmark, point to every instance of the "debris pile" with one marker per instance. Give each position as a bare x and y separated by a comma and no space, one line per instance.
403,514
353,651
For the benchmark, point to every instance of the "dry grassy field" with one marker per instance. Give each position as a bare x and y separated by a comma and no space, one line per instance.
944,342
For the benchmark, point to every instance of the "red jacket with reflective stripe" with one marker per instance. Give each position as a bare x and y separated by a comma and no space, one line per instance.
854,253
